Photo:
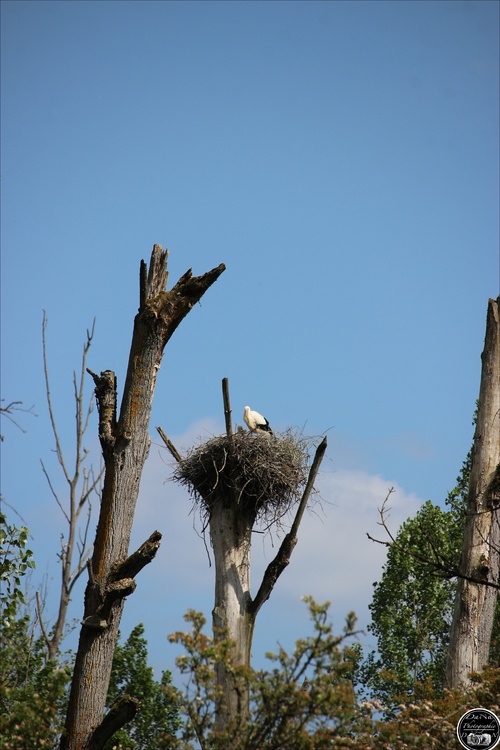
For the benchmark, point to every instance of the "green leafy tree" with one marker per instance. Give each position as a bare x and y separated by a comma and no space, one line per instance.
412,604
457,497
158,718
305,701
32,689
412,608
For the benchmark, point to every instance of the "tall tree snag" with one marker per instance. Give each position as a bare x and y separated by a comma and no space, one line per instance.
125,444
241,479
478,581
235,611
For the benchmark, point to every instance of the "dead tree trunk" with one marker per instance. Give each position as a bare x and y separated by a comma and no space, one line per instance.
234,614
235,611
125,444
235,478
475,601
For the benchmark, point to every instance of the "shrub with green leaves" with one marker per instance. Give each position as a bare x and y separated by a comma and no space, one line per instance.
32,690
15,561
306,700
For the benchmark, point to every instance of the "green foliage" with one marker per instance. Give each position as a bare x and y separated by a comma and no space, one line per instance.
457,497
305,701
15,561
431,724
412,605
32,691
158,718
412,608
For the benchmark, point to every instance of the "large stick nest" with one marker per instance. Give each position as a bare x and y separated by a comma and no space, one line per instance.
264,474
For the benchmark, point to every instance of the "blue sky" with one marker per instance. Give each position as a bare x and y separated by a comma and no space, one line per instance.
341,158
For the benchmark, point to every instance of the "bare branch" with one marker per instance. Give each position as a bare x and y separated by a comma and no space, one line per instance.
280,562
383,511
82,565
79,493
318,458
440,565
171,447
138,559
90,409
227,407
12,407
79,388
83,553
378,541
59,453
39,609
90,489
14,510
54,493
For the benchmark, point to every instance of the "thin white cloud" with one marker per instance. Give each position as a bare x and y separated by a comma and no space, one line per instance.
334,542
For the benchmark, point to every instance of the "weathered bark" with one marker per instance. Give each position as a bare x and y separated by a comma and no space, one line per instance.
480,562
120,714
231,536
232,616
125,444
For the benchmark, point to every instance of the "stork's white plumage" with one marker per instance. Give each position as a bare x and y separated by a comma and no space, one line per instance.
255,421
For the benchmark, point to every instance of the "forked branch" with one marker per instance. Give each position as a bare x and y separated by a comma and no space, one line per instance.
171,447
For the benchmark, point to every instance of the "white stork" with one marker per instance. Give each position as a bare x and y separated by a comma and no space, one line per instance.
256,422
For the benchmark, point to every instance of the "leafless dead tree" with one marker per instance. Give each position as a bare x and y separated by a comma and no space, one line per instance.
82,483
125,442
